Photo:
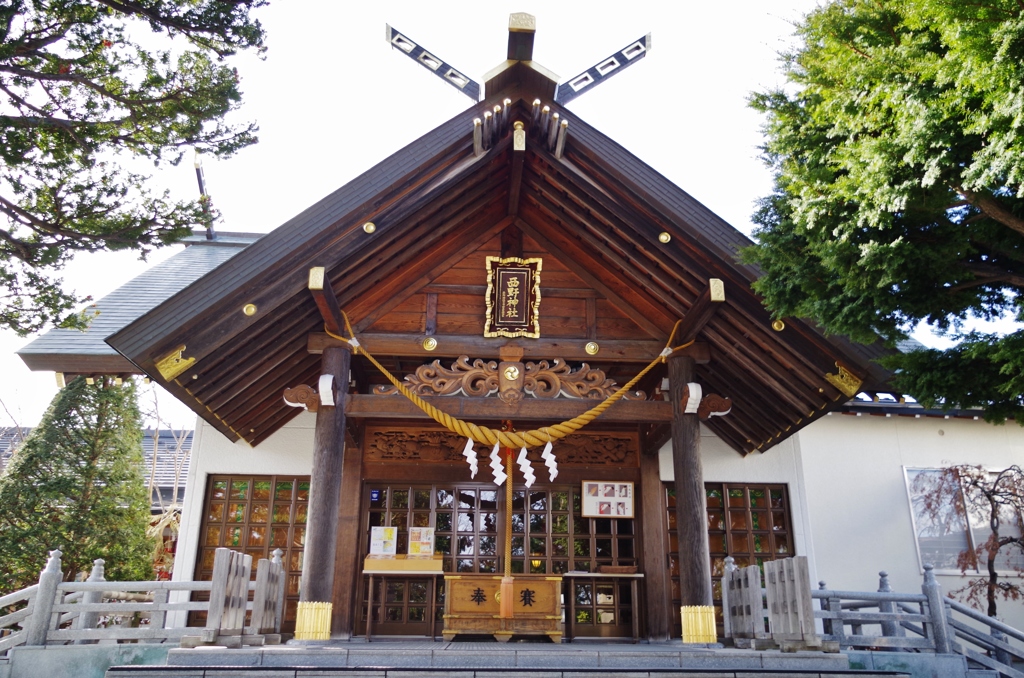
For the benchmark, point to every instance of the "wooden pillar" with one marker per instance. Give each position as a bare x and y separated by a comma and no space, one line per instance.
657,586
691,501
325,483
349,568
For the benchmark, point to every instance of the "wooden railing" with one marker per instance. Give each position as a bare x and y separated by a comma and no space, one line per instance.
58,612
877,620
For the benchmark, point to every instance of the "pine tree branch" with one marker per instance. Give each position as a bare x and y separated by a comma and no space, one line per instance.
992,207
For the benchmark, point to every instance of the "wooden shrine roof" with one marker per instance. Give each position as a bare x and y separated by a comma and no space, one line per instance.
78,351
597,211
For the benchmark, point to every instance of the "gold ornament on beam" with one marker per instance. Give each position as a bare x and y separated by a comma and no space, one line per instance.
174,363
848,383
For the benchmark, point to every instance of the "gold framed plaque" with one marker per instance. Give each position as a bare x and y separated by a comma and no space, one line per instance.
513,297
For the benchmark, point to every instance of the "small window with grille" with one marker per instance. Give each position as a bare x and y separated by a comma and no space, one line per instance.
751,523
255,515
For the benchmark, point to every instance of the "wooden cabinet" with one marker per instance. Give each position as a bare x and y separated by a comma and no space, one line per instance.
471,605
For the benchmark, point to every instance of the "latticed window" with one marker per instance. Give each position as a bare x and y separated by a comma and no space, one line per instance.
549,536
751,523
256,515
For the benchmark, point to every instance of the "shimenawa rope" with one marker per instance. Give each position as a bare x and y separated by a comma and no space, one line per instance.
488,436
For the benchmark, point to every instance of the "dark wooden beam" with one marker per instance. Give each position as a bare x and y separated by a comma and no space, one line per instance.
634,214
348,571
637,315
453,346
217,322
629,257
323,295
394,267
691,501
515,179
325,485
253,374
430,315
657,586
528,409
700,313
403,287
591,318
653,437
511,246
480,290
207,377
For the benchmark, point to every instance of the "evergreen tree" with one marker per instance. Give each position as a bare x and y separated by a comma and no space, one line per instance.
85,85
76,484
898,151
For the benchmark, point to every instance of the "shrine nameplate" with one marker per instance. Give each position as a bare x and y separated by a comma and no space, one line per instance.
471,605
512,297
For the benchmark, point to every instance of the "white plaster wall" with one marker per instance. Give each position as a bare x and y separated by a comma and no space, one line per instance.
851,516
288,451
856,494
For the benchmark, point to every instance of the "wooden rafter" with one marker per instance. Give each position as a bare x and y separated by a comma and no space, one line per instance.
323,294
641,312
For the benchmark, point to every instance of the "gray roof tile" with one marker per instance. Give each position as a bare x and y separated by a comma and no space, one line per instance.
141,294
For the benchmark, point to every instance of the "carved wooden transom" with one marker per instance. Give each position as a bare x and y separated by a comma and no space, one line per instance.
438,445
510,380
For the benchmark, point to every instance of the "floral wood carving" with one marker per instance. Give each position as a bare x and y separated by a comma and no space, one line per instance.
415,445
302,396
440,446
480,379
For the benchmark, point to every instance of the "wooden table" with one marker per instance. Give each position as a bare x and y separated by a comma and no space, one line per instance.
432,595
570,617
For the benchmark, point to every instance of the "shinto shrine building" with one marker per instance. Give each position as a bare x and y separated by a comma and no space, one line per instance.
723,447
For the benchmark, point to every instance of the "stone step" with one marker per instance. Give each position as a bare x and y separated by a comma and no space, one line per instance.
371,672
480,656
491,660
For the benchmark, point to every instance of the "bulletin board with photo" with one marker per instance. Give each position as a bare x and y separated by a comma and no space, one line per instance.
607,499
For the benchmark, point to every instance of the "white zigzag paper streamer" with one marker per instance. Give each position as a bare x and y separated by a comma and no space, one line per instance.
470,454
499,475
524,464
549,461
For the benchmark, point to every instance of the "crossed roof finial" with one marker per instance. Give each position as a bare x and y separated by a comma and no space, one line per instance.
521,30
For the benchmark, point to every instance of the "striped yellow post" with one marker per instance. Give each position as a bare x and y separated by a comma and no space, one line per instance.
698,624
313,621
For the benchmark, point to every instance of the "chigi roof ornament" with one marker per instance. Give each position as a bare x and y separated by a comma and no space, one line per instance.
521,30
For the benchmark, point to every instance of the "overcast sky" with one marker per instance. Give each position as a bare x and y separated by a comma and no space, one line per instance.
332,100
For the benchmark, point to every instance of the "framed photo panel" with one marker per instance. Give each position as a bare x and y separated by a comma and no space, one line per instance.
607,499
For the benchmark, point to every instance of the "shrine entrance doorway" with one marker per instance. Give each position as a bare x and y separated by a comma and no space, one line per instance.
549,536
